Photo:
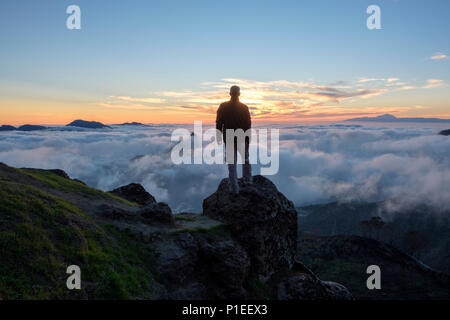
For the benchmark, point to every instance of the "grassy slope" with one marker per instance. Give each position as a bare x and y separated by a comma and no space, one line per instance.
42,234
53,180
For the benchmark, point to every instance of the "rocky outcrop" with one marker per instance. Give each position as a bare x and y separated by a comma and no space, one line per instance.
226,265
248,254
135,193
263,222
261,219
151,211
157,212
197,265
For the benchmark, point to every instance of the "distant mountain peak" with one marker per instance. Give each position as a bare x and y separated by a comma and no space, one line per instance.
7,128
387,116
132,124
87,124
390,118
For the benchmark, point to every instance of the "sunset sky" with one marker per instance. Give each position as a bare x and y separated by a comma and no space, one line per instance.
174,61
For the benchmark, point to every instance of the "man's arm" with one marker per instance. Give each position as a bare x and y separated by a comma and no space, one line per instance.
248,118
219,119
219,125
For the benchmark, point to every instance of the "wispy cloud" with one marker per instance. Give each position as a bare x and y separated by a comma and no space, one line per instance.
439,56
142,100
273,99
433,83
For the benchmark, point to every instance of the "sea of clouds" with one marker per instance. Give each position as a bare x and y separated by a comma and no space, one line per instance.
318,164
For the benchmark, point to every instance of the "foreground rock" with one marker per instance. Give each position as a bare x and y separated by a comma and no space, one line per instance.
142,251
151,211
264,222
157,212
261,219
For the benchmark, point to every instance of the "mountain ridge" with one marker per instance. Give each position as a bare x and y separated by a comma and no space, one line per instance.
391,118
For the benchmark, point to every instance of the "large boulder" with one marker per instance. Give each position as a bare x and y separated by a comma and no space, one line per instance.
260,219
157,212
134,192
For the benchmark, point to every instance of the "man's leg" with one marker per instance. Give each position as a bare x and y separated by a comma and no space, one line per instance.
246,166
232,170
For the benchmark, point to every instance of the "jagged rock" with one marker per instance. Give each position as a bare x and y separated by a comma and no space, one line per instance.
199,267
177,259
134,192
261,219
226,265
157,212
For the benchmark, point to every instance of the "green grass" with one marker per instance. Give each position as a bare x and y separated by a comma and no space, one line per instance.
41,235
55,181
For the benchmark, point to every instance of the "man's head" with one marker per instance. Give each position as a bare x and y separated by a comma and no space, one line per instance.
235,91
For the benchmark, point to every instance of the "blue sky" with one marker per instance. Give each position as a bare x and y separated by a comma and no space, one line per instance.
136,48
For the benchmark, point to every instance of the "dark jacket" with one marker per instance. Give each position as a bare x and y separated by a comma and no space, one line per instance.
233,115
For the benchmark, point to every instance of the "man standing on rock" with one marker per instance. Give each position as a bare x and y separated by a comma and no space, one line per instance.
233,122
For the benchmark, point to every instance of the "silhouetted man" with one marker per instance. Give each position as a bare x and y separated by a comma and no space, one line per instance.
231,116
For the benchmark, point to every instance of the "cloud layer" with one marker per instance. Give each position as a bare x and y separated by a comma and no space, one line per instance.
318,164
